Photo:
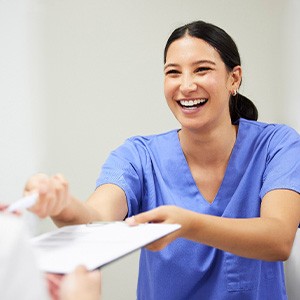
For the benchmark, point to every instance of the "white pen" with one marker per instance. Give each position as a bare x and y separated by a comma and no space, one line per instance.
24,202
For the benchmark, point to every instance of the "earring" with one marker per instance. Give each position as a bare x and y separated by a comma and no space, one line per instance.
234,93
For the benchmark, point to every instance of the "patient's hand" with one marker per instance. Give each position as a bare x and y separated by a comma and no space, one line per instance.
54,283
81,284
3,208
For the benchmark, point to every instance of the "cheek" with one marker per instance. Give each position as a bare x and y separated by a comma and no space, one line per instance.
216,85
168,89
211,82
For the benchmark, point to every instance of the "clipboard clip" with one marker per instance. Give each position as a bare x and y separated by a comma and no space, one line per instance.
103,223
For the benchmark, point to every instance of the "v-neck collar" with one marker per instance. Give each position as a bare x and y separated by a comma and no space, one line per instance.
185,180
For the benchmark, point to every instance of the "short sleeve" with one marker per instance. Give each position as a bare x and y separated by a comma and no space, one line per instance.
124,169
283,164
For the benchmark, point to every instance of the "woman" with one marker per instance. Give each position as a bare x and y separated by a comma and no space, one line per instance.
232,183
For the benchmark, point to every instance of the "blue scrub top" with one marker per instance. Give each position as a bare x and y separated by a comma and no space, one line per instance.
153,171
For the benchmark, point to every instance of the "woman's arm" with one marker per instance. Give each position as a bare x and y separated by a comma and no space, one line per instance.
107,203
269,237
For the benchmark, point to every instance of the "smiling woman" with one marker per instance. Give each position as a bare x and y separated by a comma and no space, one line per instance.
196,74
222,50
232,182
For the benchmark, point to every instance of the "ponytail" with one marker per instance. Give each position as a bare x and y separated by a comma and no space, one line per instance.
241,107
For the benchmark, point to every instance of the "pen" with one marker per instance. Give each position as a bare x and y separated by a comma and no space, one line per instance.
23,202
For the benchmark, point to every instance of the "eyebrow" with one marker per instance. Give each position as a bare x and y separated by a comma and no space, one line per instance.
198,62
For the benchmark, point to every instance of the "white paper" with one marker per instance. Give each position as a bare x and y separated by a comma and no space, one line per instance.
93,245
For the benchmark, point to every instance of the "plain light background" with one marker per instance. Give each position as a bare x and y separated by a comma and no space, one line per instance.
77,77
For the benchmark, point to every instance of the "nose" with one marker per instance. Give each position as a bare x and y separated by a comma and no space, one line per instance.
187,84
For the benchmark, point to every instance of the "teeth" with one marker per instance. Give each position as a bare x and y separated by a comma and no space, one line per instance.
192,102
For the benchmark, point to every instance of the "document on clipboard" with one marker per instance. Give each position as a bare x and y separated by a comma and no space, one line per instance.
93,245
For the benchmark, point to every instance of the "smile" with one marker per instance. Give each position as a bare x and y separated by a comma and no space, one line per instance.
190,104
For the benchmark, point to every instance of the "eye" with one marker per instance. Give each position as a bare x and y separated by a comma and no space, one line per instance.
171,72
202,69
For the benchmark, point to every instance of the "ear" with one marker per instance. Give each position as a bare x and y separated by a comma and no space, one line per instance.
235,78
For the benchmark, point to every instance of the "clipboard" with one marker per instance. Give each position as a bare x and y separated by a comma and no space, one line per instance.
93,245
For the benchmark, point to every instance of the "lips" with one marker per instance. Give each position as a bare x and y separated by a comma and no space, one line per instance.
192,104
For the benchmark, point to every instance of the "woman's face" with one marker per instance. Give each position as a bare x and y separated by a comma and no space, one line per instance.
197,84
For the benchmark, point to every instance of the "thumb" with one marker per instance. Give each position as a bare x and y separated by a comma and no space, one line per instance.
145,217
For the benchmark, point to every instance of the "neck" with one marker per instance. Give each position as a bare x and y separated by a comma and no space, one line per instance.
211,148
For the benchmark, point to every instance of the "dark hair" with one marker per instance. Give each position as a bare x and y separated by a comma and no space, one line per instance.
239,105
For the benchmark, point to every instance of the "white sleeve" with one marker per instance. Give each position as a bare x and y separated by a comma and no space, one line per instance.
19,275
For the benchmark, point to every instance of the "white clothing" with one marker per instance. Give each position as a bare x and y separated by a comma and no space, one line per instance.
20,278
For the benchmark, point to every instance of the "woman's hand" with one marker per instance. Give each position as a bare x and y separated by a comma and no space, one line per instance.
53,194
165,214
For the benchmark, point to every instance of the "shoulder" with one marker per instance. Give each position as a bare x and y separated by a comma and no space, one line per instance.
272,140
140,147
155,140
268,130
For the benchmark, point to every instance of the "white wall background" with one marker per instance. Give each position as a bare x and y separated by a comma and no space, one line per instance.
77,77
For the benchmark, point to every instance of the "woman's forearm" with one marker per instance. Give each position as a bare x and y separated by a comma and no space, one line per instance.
77,212
268,237
107,203
259,238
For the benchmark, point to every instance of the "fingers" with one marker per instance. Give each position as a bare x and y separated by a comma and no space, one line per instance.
81,284
93,276
162,214
55,279
80,270
34,182
53,283
156,215
3,207
131,221
147,217
53,194
141,218
60,192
